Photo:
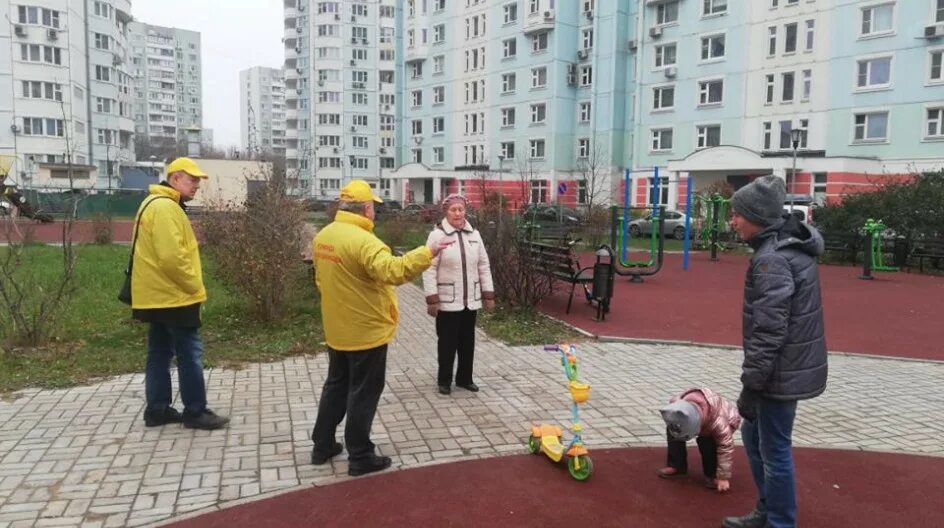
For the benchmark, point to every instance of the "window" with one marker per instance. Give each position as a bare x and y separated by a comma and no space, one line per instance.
874,73
584,112
509,48
416,98
807,85
439,34
508,82
416,70
663,97
665,55
439,5
37,53
38,16
712,47
539,42
583,147
539,191
439,94
714,7
934,125
42,90
939,12
508,150
360,99
877,19
667,13
102,9
810,26
416,126
870,127
104,105
102,73
582,194
708,136
661,139
359,163
508,117
360,142
439,63
710,92
767,133
439,155
360,120
785,128
771,41
510,12
804,128
439,125
102,42
587,38
790,38
586,75
769,99
537,148
662,188
788,87
820,180
539,77
534,6
935,73
538,113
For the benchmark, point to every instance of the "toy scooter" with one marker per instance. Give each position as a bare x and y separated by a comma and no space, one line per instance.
547,438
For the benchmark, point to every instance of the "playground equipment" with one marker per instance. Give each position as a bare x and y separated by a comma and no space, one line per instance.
546,438
10,194
873,249
716,215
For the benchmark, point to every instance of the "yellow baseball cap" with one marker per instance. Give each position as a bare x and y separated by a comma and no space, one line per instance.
186,165
358,191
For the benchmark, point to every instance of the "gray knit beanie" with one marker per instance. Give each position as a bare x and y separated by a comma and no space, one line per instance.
761,201
682,419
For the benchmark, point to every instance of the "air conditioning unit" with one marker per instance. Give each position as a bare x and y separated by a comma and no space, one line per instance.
353,40
655,32
364,41
387,107
52,34
15,129
337,16
935,31
583,54
353,62
383,150
353,18
298,90
670,72
549,14
337,150
19,30
298,70
353,128
631,45
298,49
320,83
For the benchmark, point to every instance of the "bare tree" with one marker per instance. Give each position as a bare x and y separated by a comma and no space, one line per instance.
594,172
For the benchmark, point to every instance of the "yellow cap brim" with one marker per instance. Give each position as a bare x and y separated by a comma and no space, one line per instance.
197,174
376,199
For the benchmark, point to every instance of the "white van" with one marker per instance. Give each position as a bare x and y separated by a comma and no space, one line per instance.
802,206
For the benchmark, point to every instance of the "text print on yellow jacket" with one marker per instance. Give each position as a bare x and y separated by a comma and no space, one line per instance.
355,273
167,271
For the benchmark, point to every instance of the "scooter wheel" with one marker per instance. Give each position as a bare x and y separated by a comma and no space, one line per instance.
580,473
534,444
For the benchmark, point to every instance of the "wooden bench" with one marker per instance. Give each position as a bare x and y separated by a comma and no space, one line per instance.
928,249
560,262
844,244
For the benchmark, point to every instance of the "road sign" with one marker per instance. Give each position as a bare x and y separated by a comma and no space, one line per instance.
561,188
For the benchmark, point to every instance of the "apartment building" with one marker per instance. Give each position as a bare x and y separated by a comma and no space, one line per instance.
340,94
262,111
65,92
168,93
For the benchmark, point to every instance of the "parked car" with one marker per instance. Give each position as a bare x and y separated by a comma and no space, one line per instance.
802,206
424,212
317,204
388,207
674,225
550,213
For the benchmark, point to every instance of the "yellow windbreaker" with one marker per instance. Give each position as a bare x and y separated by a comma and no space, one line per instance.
167,271
356,274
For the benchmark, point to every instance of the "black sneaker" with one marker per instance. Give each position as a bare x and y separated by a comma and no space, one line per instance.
157,418
755,519
209,420
318,458
368,465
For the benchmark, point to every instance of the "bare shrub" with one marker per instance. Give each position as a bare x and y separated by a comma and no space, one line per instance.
102,228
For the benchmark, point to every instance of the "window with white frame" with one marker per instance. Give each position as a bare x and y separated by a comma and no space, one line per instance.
439,155
807,85
662,189
416,126
416,70
538,113
667,13
509,47
663,97
785,138
439,34
439,125
710,92
712,47
939,12
508,117
583,147
666,55
767,126
439,5
439,63
790,37
771,41
42,90
936,65
539,77
539,42
537,148
587,38
586,75
508,150
510,12
508,82
810,33
878,19
582,194
874,73
804,129
870,127
820,180
360,120
661,139
416,155
707,136
788,82
538,191
534,7
934,123
769,96
714,7
439,94
583,112
38,126
359,142
39,16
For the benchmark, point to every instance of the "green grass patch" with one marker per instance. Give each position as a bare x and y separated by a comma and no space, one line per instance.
518,327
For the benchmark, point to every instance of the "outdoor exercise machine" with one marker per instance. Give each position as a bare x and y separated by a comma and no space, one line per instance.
872,260
716,215
546,438
620,219
9,193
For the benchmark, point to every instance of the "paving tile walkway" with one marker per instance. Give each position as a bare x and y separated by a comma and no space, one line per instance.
82,456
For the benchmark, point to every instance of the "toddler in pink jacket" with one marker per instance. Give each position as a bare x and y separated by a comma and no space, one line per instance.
709,419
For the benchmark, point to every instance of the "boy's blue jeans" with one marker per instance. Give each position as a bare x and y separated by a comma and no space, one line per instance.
164,342
769,444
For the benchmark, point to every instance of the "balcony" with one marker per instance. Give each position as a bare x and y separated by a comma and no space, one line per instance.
291,133
291,33
540,21
417,53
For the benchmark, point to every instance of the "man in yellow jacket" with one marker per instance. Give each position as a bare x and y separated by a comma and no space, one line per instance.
167,292
356,274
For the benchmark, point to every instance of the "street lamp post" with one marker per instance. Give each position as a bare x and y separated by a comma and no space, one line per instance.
795,135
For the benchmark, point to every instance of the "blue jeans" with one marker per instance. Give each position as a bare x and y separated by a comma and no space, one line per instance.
164,342
769,445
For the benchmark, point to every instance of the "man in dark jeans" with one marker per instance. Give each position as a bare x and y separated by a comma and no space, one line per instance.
167,292
784,344
355,273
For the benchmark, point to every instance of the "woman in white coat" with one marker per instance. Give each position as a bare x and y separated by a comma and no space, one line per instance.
457,285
